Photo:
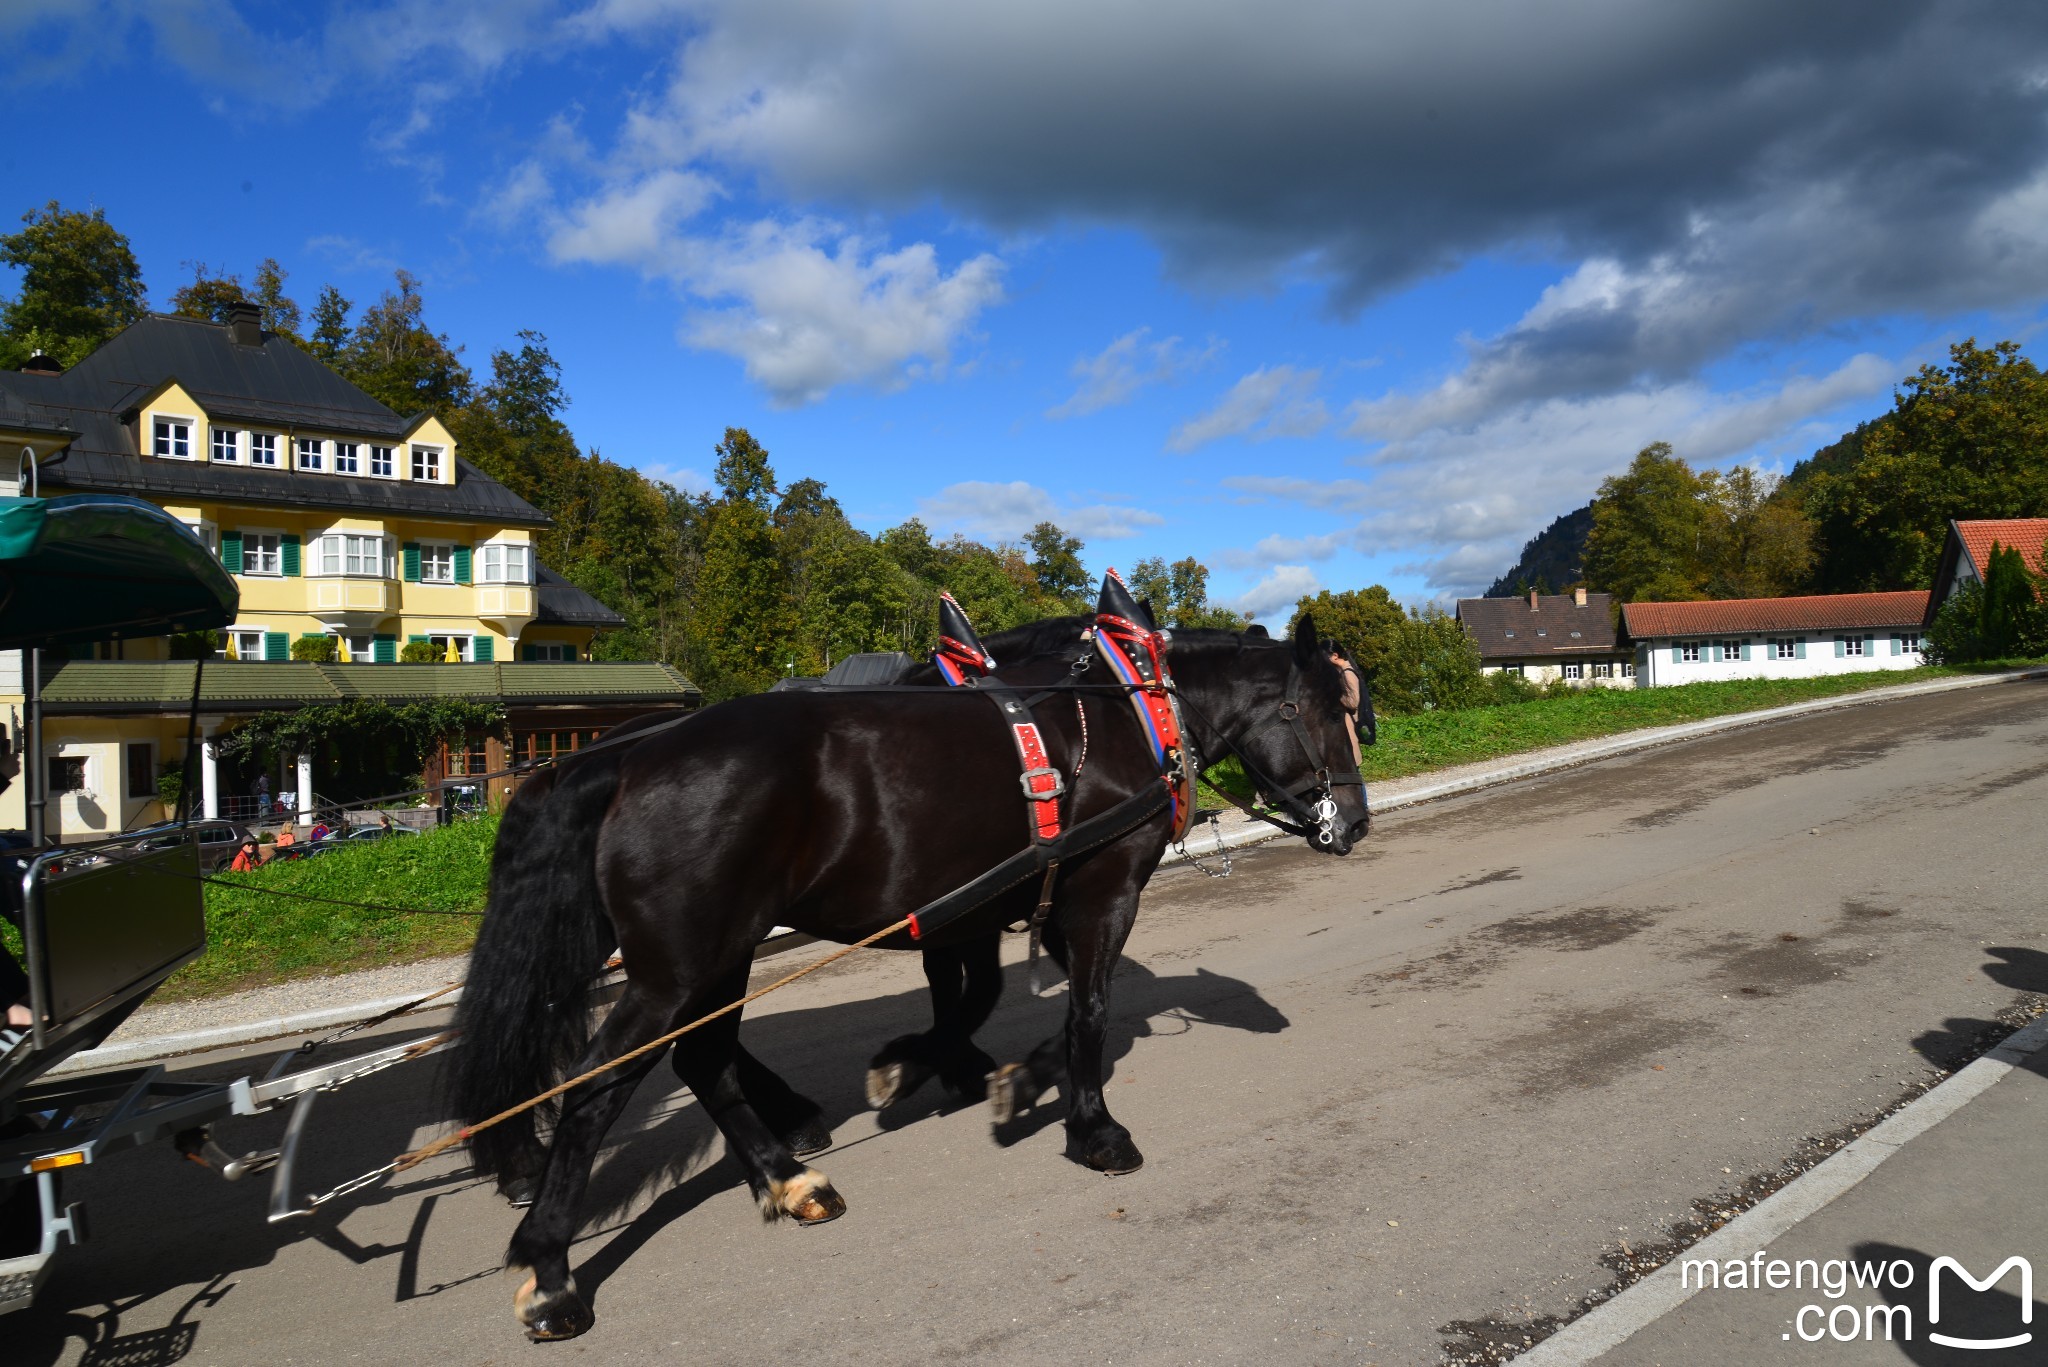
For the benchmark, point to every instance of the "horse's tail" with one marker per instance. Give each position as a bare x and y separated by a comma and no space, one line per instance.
523,1016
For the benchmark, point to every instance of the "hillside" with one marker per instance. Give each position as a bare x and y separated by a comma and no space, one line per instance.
1552,559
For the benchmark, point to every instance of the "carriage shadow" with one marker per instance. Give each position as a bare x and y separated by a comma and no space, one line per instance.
171,1238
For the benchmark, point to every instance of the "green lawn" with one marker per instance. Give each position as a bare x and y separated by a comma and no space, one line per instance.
257,938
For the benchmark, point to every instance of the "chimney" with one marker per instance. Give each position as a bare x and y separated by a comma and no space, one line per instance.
1532,601
1579,595
39,364
245,323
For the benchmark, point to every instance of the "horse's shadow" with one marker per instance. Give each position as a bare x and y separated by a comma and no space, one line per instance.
823,1052
1962,1038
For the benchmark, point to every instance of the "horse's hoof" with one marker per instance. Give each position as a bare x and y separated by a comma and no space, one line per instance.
808,1199
1112,1156
519,1191
889,1083
967,1079
808,1138
1006,1093
547,1318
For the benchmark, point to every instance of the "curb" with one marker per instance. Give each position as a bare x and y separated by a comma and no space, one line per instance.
1230,838
1610,1324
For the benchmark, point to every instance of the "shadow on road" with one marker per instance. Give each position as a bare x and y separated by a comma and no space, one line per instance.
1986,1316
1962,1038
170,1237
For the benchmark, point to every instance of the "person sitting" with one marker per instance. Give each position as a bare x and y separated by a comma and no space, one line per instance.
247,858
285,840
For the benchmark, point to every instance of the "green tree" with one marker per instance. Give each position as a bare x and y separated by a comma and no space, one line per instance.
1649,526
208,295
80,284
1758,541
1968,440
330,326
741,611
1179,594
395,357
280,311
1363,621
1427,663
1056,561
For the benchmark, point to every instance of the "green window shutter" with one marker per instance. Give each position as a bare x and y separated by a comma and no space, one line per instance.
462,564
276,646
288,554
480,650
384,649
231,552
1677,653
411,552
529,653
1799,649
1840,649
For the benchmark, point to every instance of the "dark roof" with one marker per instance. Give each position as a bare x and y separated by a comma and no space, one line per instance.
1510,629
93,687
275,383
473,497
1816,612
561,604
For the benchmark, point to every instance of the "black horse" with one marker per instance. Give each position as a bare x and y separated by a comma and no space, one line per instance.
833,813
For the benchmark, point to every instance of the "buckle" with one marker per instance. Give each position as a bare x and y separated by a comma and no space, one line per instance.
1058,789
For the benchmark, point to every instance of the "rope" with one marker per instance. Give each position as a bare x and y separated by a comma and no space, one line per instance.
448,1141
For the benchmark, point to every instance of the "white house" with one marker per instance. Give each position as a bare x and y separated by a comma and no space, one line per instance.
1749,638
1551,636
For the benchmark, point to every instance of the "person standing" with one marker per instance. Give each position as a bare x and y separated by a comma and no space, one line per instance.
260,791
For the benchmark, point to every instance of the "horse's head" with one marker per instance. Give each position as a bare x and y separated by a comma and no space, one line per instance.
1306,703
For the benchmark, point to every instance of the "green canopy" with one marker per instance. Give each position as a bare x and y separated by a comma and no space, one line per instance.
89,567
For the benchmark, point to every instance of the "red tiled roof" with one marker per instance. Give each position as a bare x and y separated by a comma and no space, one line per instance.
2024,534
1821,612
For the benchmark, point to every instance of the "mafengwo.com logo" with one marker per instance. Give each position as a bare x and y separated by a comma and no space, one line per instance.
1903,1298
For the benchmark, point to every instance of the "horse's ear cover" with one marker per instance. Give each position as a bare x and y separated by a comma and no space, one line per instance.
956,630
1258,632
1116,601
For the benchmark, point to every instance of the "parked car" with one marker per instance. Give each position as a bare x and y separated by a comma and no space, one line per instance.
218,841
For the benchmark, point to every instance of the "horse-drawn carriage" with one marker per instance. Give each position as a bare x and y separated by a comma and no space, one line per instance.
912,793
104,923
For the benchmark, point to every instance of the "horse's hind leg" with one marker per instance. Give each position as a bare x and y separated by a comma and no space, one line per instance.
548,1303
907,1062
797,1121
965,1068
707,1060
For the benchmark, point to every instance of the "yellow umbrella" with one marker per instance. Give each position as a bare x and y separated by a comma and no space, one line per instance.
341,649
231,648
454,654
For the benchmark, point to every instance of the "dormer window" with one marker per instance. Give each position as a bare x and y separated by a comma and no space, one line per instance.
312,452
174,438
263,448
426,463
227,445
380,461
346,456
1511,636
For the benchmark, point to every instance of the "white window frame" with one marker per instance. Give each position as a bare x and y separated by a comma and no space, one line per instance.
213,445
183,437
388,460
348,457
237,634
443,558
1784,647
256,446
338,545
1852,647
1909,643
491,563
1689,652
366,656
251,552
465,645
309,453
86,765
1573,670
431,463
1731,651
1628,669
1603,669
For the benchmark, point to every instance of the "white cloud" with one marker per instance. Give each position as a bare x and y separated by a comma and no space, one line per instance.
1277,593
1005,512
1272,401
1460,500
1121,369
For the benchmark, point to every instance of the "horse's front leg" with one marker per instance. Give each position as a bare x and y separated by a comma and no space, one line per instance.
1095,934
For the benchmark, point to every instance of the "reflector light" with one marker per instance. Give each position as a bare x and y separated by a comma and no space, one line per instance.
57,1160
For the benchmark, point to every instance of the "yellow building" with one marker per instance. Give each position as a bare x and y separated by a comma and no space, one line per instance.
338,517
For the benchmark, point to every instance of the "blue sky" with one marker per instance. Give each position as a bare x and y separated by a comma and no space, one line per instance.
1324,294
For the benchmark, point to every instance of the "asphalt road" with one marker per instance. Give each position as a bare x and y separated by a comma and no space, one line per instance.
1436,1082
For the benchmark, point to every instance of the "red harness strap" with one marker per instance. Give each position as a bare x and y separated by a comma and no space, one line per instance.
1041,783
1134,656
